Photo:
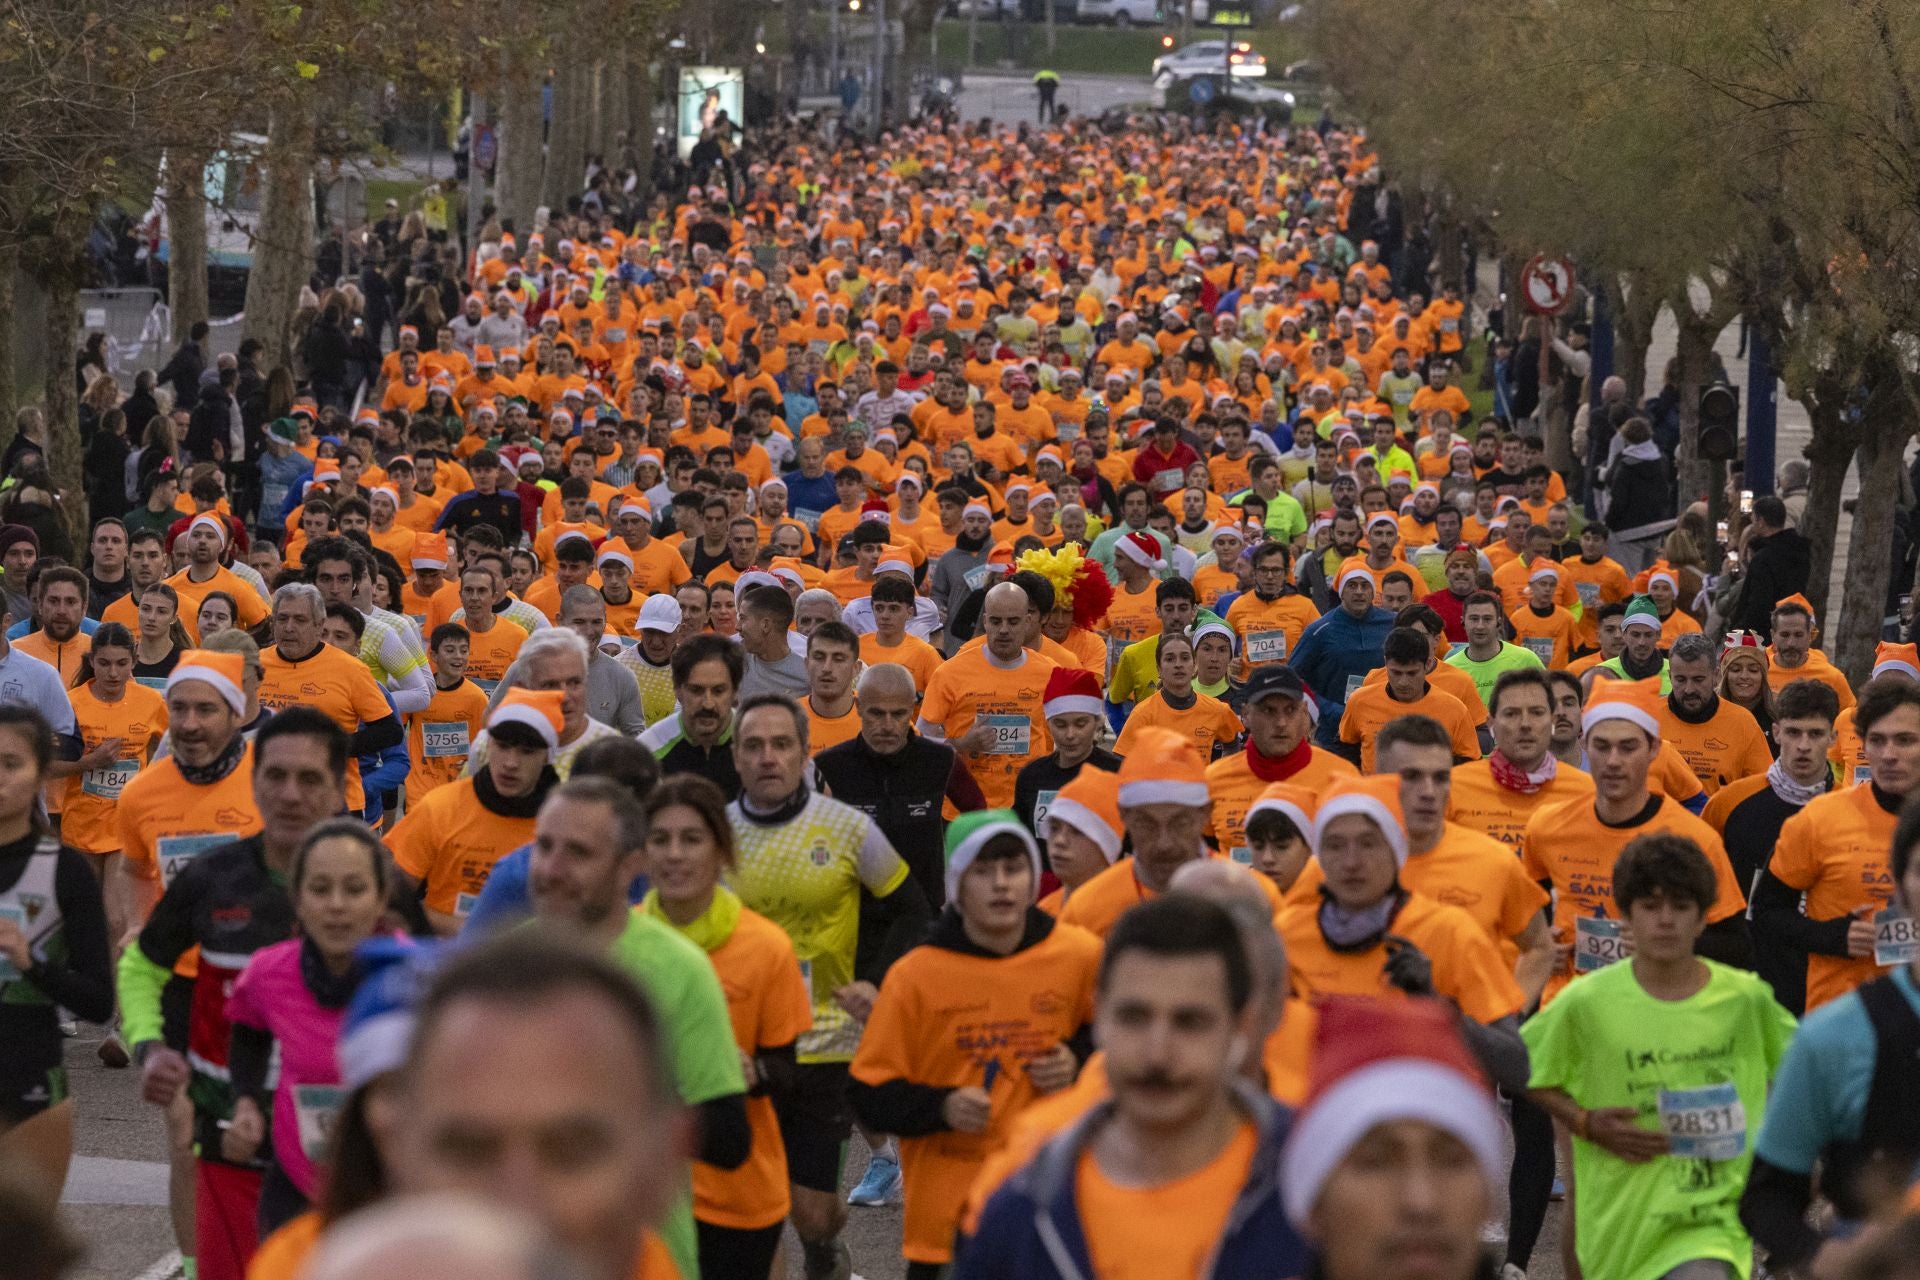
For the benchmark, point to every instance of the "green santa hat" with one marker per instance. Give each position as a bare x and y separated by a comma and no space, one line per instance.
1640,609
970,832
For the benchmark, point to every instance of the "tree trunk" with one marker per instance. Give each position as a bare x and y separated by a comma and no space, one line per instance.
1052,43
1886,425
283,251
640,120
567,138
1513,311
186,242
1829,452
1636,308
1449,245
61,267
516,181
9,385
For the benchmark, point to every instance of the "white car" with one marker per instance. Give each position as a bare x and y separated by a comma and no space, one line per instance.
1121,13
1209,57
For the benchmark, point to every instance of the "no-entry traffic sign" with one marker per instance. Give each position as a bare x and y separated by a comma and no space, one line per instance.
1546,285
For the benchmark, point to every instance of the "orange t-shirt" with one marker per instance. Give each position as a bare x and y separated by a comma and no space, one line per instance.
1467,966
1551,639
968,687
1371,708
1269,630
1567,844
440,737
450,841
1018,1007
1233,787
1097,905
830,731
769,1006
332,682
492,651
1730,746
1209,722
88,817
919,658
1478,803
1150,1233
1446,678
1835,850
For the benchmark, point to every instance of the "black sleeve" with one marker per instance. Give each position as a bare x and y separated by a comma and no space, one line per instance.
965,792
1773,1209
84,984
1081,1043
1776,912
1727,942
376,736
900,1107
905,915
777,1068
726,1136
169,930
249,1062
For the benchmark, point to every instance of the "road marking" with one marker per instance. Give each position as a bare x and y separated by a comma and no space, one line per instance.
99,1180
169,1265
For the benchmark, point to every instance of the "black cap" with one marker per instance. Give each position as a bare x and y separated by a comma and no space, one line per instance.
1275,678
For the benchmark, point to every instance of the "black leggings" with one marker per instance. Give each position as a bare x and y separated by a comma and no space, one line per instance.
736,1253
280,1201
1530,1185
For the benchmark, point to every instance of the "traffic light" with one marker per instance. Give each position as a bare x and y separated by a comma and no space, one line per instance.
1719,423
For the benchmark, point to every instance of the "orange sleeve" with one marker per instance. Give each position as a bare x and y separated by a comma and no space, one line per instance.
1794,860
1522,901
886,1044
1466,743
411,842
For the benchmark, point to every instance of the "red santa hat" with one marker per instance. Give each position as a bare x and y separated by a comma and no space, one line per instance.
1070,690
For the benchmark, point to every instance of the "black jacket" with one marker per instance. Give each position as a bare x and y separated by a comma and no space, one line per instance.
1777,566
211,424
902,793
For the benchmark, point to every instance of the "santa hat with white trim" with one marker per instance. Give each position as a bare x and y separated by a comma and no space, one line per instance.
968,834
1375,797
1070,690
1350,568
1295,804
1635,701
1143,549
1641,612
1163,768
1375,1062
226,672
539,710
1090,804
1896,659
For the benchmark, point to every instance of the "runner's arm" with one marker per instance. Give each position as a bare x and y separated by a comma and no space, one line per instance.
1501,1051
249,1063
962,791
140,982
905,915
1536,962
1728,942
409,684
900,1107
1776,911
83,985
1773,1209
375,736
726,1136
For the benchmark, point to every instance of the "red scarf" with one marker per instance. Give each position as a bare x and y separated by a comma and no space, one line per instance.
1278,768
1513,778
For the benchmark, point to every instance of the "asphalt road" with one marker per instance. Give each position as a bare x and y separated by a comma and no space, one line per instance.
116,1194
1010,99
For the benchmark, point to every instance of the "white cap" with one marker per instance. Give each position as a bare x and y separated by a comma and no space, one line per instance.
659,613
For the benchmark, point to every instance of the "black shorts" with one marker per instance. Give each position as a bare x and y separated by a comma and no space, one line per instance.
27,1091
815,1123
176,1012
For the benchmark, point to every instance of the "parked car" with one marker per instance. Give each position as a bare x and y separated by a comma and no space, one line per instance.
1209,57
1238,98
1121,13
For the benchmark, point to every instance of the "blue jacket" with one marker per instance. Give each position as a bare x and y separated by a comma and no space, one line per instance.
1031,1226
1336,652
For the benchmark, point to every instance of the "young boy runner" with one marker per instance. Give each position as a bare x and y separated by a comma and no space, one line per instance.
948,1076
1659,1067
440,737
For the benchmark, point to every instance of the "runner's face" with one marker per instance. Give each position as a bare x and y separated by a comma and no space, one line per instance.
830,670
1357,860
1642,642
579,873
886,719
1792,637
995,892
1280,861
1618,756
1893,750
20,775
1426,776
1803,747
1074,858
199,722
683,858
1664,928
338,634
1407,1200
591,1152
1170,1037
1523,726
294,786
769,754
338,899
1165,838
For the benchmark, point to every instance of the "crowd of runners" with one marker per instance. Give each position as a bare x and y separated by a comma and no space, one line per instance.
1019,643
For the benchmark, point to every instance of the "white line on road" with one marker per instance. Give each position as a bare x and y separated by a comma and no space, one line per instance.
168,1266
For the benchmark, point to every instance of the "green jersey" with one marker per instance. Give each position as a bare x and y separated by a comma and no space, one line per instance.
1698,1068
1511,657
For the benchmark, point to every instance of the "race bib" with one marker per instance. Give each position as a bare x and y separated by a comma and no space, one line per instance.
1353,685
17,914
976,577
806,977
175,852
1708,1123
1168,480
1012,735
486,686
1266,646
1596,943
158,683
1042,805
316,1107
1542,647
464,903
444,738
107,782
1450,326
1242,855
1895,939
1068,431
1861,773
1115,647
807,517
1589,593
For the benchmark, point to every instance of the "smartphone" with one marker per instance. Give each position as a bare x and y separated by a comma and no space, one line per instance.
1720,532
1746,502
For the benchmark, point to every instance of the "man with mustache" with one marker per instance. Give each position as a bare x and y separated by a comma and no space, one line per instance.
698,736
